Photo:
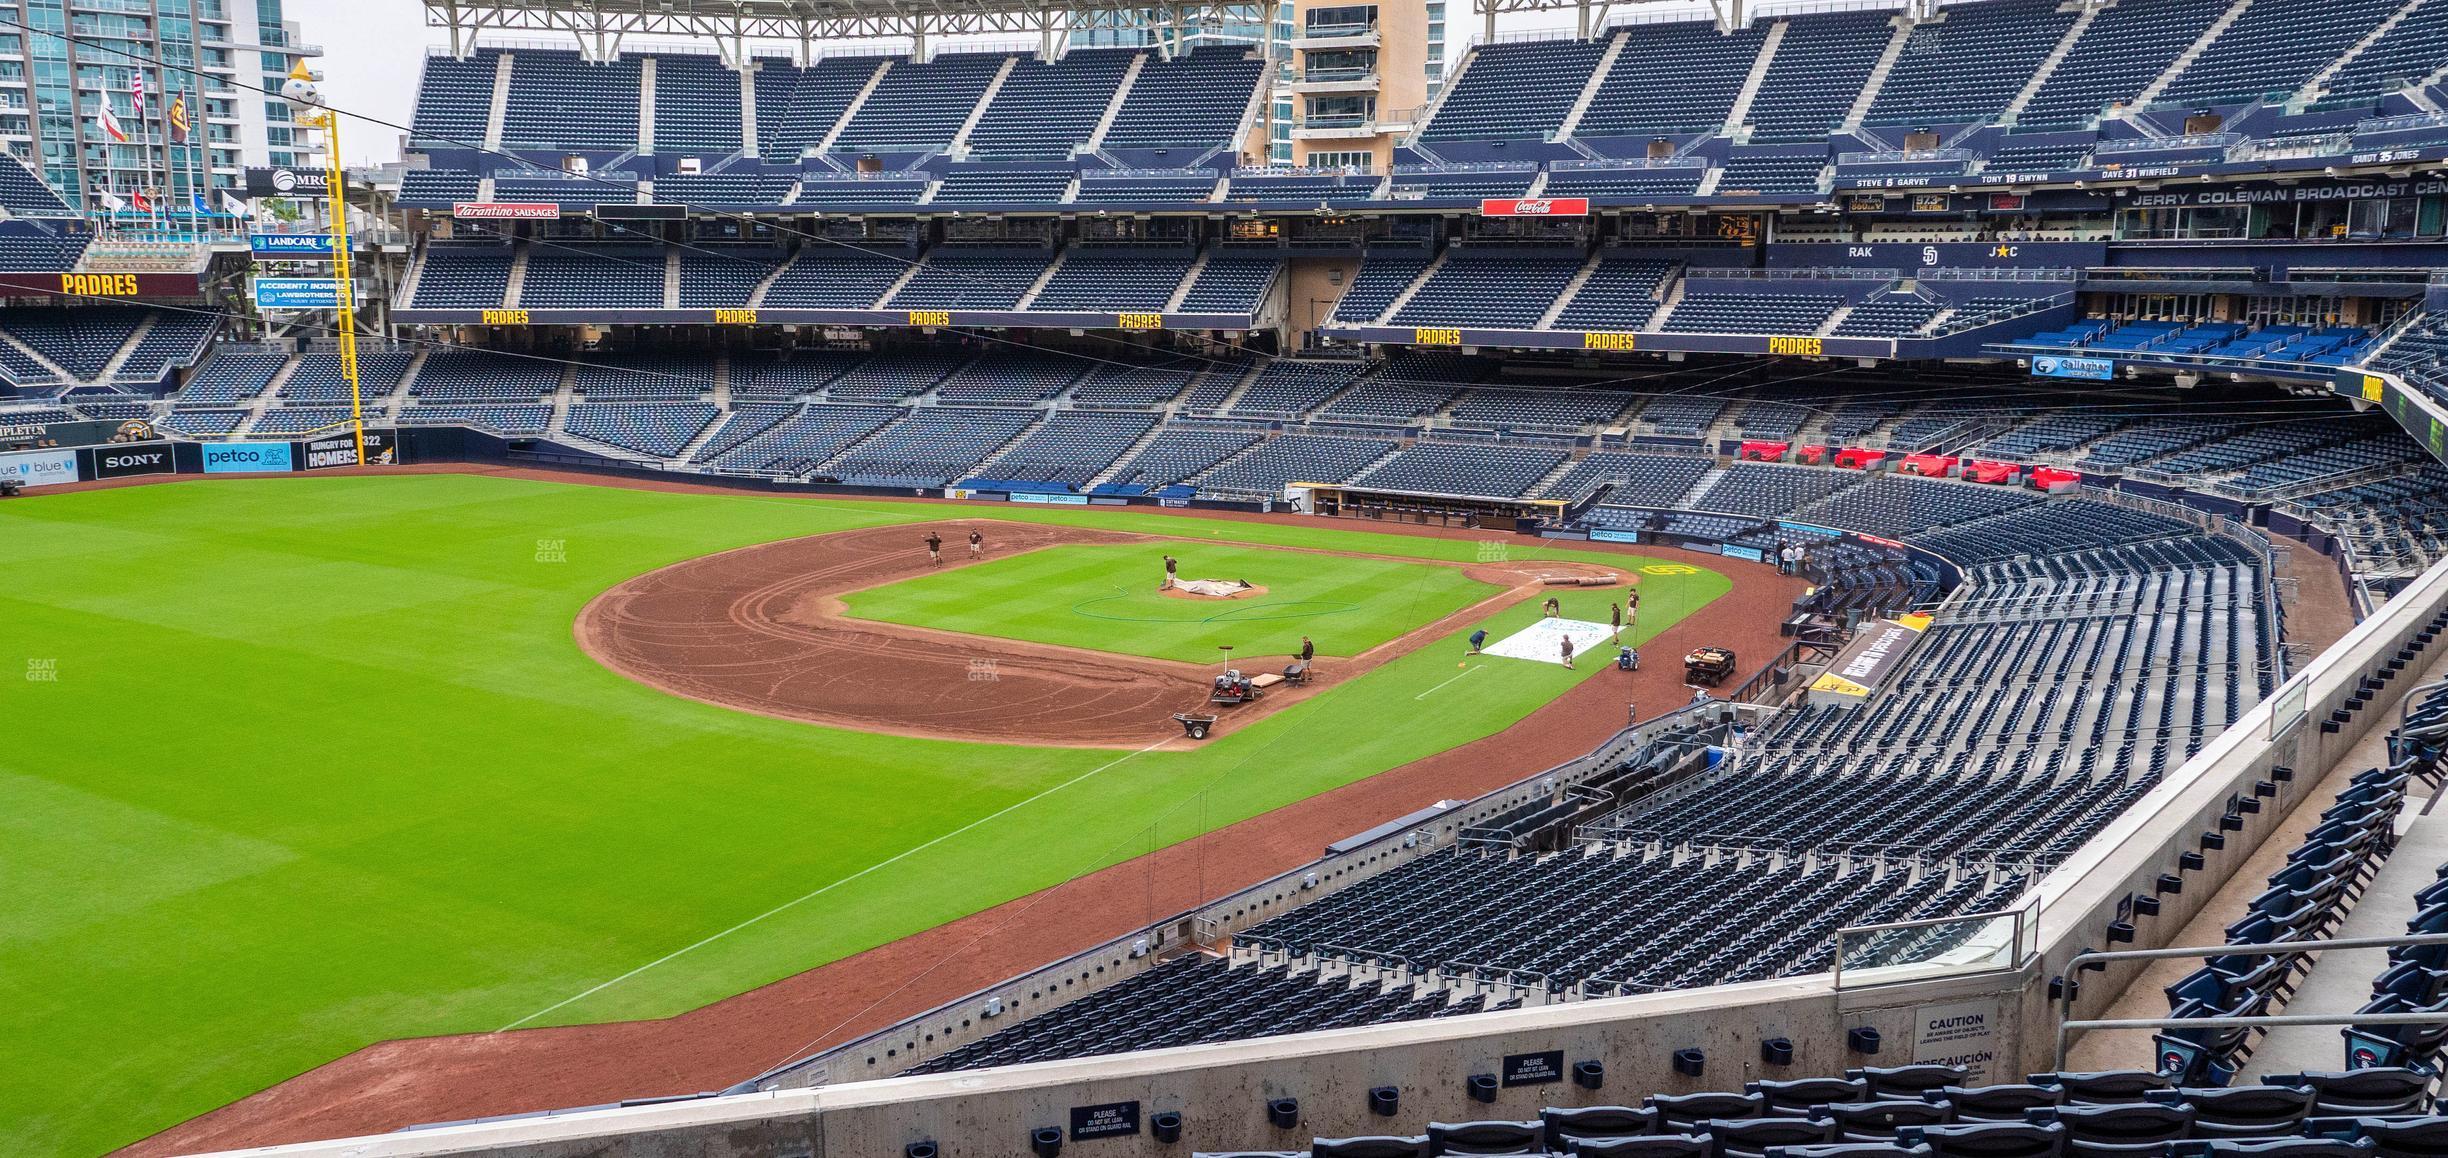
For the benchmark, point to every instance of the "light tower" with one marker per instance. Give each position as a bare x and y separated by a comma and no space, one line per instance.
306,98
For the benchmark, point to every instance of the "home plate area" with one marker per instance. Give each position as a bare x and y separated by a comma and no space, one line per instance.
1539,641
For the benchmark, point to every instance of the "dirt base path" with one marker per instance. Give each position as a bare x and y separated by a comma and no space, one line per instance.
761,629
397,1083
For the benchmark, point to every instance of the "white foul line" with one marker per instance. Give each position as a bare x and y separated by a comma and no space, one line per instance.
899,856
1433,691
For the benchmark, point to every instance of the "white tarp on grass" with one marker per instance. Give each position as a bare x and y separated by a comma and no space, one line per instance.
1541,640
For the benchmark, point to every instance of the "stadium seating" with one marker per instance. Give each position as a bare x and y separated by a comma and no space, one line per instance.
1069,448
1266,468
796,106
1384,274
561,275
1820,67
929,448
697,106
1045,109
558,101
1638,479
1621,293
231,378
656,429
919,105
1179,109
1751,312
2274,47
176,340
1115,279
1499,288
1233,281
2124,49
317,377
1289,387
972,278
1515,91
480,376
1464,468
454,99
835,277
1966,66
1180,451
24,194
461,276
797,444
1672,78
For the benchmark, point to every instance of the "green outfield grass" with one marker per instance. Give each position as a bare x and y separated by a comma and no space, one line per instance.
288,766
1105,598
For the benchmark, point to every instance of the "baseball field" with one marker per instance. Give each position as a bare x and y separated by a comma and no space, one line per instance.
291,766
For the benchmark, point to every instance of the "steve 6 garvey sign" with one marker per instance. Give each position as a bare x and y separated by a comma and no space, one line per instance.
1534,207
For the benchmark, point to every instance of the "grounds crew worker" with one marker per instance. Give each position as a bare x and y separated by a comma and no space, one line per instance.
1172,567
977,543
1308,650
934,544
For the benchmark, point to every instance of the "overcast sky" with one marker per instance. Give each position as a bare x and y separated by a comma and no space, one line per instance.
373,50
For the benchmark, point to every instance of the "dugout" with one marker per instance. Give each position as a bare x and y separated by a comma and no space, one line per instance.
1335,500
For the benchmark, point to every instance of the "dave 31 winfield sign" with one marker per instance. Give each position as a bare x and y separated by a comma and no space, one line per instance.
1535,207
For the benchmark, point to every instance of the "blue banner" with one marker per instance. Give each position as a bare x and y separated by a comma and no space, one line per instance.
246,457
1750,553
2066,366
296,293
1050,499
1611,535
297,246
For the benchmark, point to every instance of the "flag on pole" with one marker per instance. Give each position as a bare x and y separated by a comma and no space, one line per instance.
112,201
179,124
144,204
110,124
202,209
231,205
136,91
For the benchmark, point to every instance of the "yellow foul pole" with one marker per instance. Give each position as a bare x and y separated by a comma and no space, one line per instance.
336,192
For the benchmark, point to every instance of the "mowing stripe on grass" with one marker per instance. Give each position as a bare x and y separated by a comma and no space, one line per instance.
796,901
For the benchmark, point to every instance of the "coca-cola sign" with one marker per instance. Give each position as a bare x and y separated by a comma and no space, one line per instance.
1534,207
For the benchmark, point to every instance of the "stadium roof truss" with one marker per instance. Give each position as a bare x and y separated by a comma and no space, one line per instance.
601,25
1730,14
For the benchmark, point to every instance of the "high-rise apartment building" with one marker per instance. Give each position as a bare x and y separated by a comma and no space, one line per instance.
84,54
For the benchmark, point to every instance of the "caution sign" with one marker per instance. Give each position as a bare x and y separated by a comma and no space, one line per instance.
1958,1033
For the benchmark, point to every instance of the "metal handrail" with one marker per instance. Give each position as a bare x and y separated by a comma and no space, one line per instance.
2075,964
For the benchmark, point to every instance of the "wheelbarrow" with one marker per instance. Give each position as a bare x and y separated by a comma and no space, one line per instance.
1194,726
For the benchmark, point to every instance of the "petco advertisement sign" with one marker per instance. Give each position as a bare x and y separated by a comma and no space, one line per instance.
41,468
246,457
1534,207
2095,369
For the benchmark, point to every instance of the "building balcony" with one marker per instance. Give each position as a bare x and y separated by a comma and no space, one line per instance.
1318,37
1335,80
